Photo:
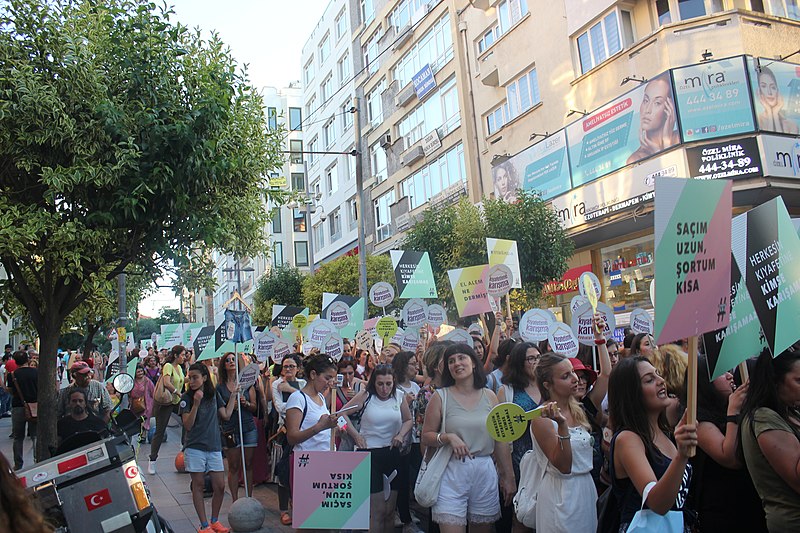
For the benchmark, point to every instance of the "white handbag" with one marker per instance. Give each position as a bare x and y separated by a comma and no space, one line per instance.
531,474
426,491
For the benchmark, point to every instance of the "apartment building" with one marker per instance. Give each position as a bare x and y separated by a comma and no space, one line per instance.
587,102
328,92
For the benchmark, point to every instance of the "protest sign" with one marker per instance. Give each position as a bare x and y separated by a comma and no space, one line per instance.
583,322
171,335
436,316
331,490
248,376
508,421
469,291
338,313
640,322
415,313
459,336
263,344
577,301
562,340
386,327
283,314
333,346
299,322
504,252
341,306
594,284
381,294
280,349
767,250
409,341
692,232
535,324
498,280
413,274
319,330
220,344
364,339
202,339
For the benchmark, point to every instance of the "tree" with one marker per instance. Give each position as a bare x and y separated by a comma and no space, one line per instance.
282,286
341,276
127,144
456,236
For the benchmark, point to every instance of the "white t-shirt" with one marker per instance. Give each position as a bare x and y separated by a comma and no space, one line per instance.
413,389
321,442
381,420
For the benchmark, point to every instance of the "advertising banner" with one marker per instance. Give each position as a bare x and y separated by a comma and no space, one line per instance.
413,274
542,167
282,315
331,490
693,261
333,306
504,252
742,339
776,95
469,290
567,283
766,248
713,99
639,124
730,159
424,82
781,155
624,190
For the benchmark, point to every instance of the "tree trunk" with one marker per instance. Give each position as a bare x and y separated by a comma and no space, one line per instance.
88,344
48,393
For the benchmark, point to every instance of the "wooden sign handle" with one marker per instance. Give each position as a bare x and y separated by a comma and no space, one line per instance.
333,410
691,387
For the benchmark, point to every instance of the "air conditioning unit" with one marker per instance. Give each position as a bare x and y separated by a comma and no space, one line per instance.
386,140
412,156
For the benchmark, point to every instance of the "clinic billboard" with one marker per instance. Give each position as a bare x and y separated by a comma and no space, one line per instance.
776,95
542,167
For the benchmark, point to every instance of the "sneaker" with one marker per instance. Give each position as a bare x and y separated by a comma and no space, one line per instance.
205,530
219,528
151,467
286,519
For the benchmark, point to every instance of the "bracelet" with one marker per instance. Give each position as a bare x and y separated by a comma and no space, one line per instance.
439,439
599,342
734,419
561,440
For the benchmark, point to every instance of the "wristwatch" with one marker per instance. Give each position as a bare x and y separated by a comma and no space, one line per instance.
732,418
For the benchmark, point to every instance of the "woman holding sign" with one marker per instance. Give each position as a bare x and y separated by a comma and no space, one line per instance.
771,437
232,438
468,490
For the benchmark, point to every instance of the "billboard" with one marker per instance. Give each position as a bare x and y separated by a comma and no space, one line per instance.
781,155
713,99
639,124
738,158
542,167
776,95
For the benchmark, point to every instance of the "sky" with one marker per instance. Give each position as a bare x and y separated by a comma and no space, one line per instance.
268,36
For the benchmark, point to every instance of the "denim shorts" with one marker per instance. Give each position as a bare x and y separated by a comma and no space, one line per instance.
203,461
250,439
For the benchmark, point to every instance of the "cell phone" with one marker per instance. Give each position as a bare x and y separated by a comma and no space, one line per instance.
339,380
346,410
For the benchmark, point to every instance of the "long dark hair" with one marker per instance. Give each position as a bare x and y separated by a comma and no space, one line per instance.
516,374
380,370
625,401
174,353
17,511
478,376
636,343
318,363
222,371
503,351
711,406
764,380
208,386
400,366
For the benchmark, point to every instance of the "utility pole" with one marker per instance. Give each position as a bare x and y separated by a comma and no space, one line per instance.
362,252
122,334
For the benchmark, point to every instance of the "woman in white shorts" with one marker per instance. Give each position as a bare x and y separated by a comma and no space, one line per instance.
468,491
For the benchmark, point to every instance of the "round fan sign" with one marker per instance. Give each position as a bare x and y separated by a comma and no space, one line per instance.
386,327
339,314
577,301
319,330
409,341
562,340
641,321
595,284
333,347
498,280
534,325
583,322
415,313
436,316
381,294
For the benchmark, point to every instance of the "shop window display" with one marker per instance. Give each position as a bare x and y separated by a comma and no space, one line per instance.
628,269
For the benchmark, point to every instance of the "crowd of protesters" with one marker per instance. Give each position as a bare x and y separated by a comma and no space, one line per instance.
612,431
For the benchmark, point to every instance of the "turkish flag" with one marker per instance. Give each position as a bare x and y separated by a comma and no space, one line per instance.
97,499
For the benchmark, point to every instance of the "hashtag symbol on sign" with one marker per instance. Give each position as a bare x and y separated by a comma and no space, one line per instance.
723,304
303,461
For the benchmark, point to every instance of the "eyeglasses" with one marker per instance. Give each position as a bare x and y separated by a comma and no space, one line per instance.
531,358
230,360
289,366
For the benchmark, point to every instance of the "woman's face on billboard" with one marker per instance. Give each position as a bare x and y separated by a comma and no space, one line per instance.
653,109
502,182
768,87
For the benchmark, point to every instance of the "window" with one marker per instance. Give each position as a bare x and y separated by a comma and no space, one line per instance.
347,117
296,152
496,118
375,103
317,188
352,213
299,220
308,71
662,11
344,69
438,111
341,25
383,216
319,237
351,164
324,49
311,105
295,119
488,38
522,94
335,224
298,181
509,12
785,8
276,220
604,39
326,90
301,253
312,147
370,51
329,133
332,179
404,11
435,177
277,253
272,118
377,158
435,48
367,11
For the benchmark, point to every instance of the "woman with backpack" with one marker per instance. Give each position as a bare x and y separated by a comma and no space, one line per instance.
385,423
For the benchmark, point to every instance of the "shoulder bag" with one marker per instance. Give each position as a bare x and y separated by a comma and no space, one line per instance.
648,521
531,474
426,491
284,466
31,408
161,394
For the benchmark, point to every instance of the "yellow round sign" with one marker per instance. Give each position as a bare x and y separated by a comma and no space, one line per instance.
299,321
386,327
508,421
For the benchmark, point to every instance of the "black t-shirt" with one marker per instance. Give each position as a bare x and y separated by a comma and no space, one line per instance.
28,380
68,426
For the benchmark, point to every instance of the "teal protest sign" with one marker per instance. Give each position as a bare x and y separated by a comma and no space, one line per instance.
413,274
713,99
346,312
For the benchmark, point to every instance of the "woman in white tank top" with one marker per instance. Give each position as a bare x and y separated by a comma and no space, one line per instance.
385,422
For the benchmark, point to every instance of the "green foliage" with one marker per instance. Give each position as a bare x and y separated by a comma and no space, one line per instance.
282,286
456,236
341,276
